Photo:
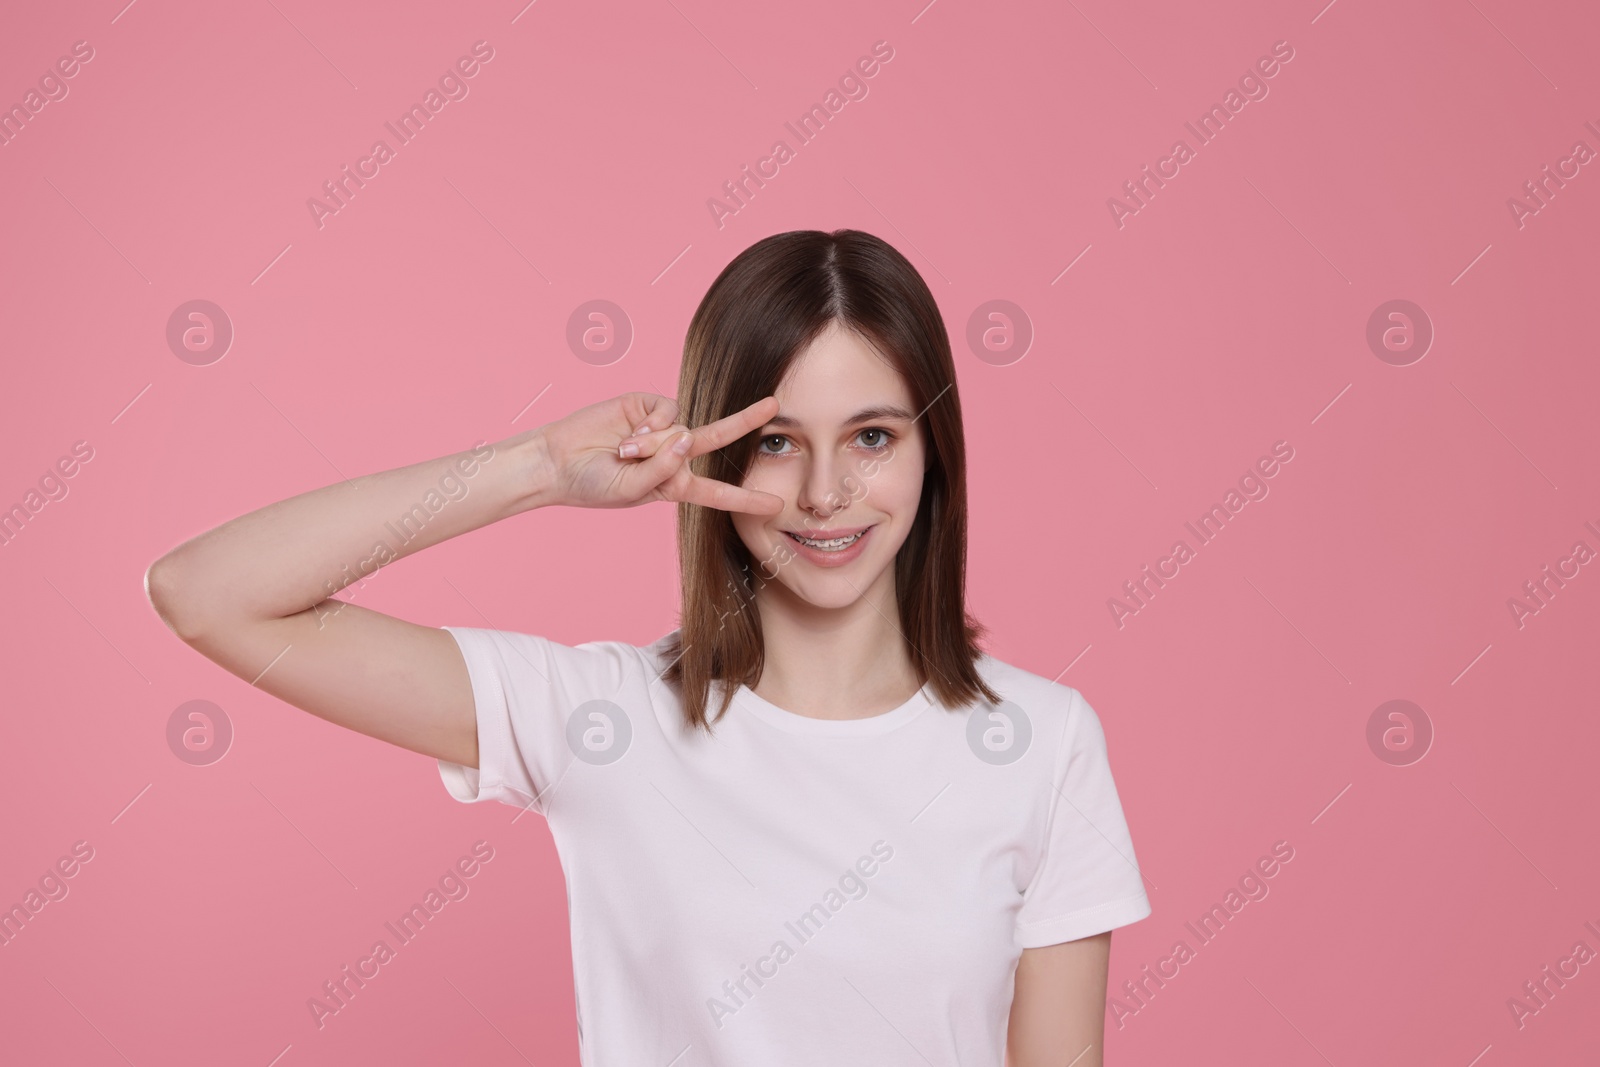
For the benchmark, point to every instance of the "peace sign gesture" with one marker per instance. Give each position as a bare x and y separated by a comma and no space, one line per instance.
586,465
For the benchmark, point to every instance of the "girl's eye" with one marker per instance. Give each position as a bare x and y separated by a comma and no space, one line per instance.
883,437
880,441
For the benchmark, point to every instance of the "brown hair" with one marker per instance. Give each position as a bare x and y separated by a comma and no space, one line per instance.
763,310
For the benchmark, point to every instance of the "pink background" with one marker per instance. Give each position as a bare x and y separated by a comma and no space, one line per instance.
1228,314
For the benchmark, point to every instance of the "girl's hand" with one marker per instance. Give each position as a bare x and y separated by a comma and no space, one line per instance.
586,466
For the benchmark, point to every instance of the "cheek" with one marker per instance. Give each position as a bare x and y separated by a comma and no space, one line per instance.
750,531
764,477
761,542
896,490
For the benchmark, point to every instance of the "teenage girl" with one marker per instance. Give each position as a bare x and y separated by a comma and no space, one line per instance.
815,823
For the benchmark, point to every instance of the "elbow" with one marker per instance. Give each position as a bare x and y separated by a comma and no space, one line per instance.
171,597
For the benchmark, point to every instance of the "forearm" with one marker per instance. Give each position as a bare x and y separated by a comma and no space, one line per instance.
294,554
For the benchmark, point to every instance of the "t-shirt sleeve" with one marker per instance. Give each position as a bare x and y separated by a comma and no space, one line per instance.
524,689
1088,880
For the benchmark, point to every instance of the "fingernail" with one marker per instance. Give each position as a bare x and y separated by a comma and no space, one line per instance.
641,428
629,448
681,445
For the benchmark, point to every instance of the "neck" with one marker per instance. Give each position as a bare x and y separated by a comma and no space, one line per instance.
835,663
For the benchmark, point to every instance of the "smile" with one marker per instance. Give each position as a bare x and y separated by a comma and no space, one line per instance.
833,544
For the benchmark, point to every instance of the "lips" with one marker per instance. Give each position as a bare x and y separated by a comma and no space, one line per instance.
830,534
828,558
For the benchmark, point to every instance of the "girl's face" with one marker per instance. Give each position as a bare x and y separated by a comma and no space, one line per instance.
846,454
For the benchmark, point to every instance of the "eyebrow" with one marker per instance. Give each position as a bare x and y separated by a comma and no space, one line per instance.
872,414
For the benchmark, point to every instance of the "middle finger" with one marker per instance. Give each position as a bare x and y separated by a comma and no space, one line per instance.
714,435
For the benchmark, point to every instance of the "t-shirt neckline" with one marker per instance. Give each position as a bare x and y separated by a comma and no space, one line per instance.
745,699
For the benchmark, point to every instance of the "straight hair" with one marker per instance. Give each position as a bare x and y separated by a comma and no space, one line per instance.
762,311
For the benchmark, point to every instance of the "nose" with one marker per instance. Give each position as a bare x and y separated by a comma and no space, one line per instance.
824,488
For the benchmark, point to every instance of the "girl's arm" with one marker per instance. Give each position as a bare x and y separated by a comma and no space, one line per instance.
252,594
1058,1009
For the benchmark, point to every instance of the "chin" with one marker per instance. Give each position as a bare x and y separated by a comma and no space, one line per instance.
829,587
828,594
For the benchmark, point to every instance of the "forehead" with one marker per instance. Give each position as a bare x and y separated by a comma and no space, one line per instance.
837,376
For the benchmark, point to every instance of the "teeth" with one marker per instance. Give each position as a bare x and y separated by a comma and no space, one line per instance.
829,546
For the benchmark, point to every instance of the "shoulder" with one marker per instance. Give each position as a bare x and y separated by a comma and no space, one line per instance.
1057,714
595,662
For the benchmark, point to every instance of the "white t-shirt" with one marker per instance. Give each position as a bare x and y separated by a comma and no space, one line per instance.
797,890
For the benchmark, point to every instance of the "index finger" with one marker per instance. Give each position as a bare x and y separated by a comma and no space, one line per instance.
725,496
714,435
